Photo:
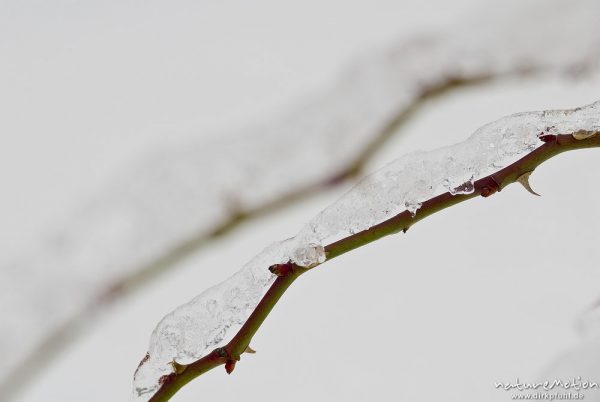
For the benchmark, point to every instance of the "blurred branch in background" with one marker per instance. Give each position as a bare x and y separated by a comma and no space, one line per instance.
582,359
175,201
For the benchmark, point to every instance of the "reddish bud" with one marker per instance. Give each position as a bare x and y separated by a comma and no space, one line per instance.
229,366
489,186
281,269
546,137
487,191
167,378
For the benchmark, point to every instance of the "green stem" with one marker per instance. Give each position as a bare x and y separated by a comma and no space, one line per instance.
401,222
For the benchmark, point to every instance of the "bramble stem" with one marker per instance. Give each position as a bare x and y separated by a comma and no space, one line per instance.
485,186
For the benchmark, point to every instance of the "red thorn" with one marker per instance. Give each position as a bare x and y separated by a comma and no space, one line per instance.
229,366
546,137
281,269
167,378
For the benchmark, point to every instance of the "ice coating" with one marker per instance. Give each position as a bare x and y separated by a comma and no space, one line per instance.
212,318
408,181
206,321
209,320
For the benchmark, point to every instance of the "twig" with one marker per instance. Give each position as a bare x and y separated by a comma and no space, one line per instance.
486,186
142,275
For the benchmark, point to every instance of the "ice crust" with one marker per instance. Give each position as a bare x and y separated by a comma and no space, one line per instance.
210,320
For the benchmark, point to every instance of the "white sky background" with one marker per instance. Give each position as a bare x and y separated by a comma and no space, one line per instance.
485,291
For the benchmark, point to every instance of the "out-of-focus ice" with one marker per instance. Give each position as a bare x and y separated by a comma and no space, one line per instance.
212,318
588,324
583,359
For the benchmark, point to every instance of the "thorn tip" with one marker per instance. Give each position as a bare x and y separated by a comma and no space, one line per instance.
177,367
524,180
230,366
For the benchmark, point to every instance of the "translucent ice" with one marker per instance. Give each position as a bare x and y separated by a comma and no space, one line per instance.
211,319
309,256
407,182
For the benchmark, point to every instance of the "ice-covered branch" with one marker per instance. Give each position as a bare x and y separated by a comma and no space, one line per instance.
171,203
225,318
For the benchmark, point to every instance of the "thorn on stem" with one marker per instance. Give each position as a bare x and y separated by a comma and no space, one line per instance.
178,368
249,350
281,269
547,137
230,366
167,378
524,180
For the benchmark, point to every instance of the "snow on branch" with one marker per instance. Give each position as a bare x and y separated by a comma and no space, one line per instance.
386,202
171,202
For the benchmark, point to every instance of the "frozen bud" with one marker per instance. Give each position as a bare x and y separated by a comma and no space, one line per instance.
585,134
309,256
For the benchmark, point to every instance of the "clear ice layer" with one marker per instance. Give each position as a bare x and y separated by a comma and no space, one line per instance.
211,319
